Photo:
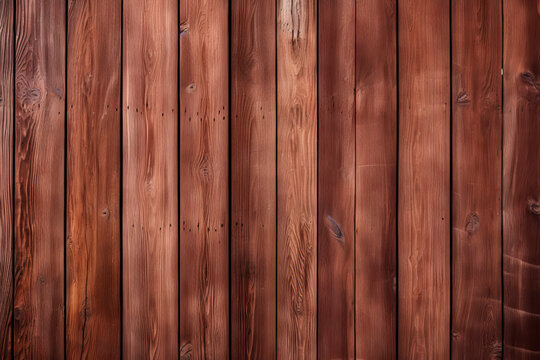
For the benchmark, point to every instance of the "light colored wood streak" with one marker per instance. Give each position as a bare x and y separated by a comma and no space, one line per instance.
521,179
376,152
476,193
39,179
6,176
424,179
150,179
336,179
297,179
253,177
93,322
204,235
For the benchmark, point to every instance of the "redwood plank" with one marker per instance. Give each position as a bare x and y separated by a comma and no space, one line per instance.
376,152
297,179
93,322
204,125
521,179
336,179
476,192
150,179
424,179
6,177
253,179
39,179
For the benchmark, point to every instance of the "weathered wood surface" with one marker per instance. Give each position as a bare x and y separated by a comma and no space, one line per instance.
39,179
93,241
297,179
476,190
424,179
150,179
376,153
204,232
253,179
521,179
6,176
336,180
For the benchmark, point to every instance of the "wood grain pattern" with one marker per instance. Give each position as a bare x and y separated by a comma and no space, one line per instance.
424,179
297,179
6,177
204,125
376,152
93,321
336,179
521,179
476,190
253,179
39,179
150,179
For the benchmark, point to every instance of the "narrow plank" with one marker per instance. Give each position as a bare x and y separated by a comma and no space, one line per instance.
253,179
204,126
93,321
336,179
297,179
424,179
150,179
6,177
39,179
521,179
476,192
376,152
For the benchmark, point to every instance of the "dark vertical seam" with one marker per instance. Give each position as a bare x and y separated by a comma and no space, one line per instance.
179,171
66,49
354,195
451,220
396,287
317,194
121,185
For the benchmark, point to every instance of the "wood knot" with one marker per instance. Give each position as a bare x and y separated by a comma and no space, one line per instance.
191,88
186,351
530,79
463,98
496,350
472,223
534,207
335,229
184,27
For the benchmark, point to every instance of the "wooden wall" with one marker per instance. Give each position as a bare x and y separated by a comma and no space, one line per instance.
260,179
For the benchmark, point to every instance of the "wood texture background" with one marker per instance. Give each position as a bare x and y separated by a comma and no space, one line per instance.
249,179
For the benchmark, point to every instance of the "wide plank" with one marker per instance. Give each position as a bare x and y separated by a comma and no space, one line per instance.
424,179
297,179
476,173
93,289
6,177
39,179
336,178
204,187
253,179
376,157
150,179
521,179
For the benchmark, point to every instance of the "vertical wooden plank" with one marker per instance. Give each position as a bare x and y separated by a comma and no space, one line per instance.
376,152
521,179
6,177
204,237
297,179
253,179
39,179
336,179
93,321
150,179
476,193
424,179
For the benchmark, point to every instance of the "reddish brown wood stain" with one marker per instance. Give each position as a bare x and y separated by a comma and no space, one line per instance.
249,179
